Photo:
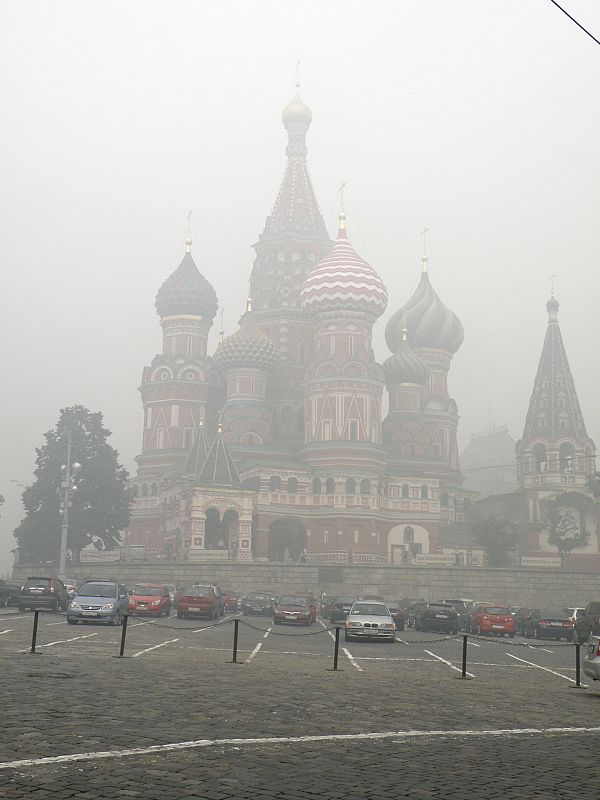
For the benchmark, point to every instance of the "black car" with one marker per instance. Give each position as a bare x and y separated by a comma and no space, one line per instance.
396,613
48,593
588,622
258,603
437,617
9,593
340,608
547,624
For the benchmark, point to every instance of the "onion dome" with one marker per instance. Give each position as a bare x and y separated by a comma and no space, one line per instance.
244,349
186,291
342,280
429,322
405,366
296,111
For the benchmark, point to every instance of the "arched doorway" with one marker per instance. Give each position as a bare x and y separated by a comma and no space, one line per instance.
405,542
287,540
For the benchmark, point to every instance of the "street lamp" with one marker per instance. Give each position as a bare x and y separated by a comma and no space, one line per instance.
67,488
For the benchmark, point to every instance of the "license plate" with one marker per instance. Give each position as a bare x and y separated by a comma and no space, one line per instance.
193,608
292,617
89,613
441,616
556,624
497,626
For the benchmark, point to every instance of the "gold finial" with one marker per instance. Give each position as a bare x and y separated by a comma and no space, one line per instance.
342,213
298,76
424,258
188,240
221,332
404,328
219,425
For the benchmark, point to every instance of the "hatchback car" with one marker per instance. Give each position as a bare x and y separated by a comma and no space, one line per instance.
495,620
43,593
548,624
99,601
437,617
150,598
370,620
292,609
258,603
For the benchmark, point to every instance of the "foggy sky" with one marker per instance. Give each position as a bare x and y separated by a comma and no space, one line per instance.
479,120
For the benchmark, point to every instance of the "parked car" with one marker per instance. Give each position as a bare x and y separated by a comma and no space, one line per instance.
340,609
370,620
591,662
459,604
292,609
465,617
396,613
99,601
412,611
496,620
9,593
549,624
313,604
43,593
201,601
259,603
588,622
230,600
437,617
152,599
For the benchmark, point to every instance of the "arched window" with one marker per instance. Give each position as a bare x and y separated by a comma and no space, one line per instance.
424,492
153,489
350,486
409,535
144,490
292,485
365,486
405,491
329,486
274,483
316,486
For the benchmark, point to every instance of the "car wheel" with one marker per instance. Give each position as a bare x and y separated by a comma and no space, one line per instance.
72,621
117,620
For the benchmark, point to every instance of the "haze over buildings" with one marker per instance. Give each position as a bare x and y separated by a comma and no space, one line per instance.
469,120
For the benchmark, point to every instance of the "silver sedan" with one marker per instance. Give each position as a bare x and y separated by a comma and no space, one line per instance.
369,620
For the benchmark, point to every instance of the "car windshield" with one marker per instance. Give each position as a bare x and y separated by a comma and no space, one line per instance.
293,601
98,590
496,610
371,609
148,591
37,583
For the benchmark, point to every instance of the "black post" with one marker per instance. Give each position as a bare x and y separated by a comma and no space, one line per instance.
337,647
578,665
123,635
236,625
34,634
464,659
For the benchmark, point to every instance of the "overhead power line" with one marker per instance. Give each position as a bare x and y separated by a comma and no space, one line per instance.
579,25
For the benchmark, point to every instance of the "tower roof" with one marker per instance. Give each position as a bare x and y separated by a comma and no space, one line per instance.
554,412
219,468
246,348
186,291
197,455
342,280
296,210
405,366
430,323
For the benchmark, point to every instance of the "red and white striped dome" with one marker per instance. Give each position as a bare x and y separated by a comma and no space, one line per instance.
342,280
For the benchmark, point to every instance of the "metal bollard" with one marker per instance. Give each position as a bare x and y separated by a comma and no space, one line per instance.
236,625
464,657
578,665
123,635
337,648
35,627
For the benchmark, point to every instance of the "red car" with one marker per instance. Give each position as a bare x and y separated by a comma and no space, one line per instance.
201,601
230,599
292,609
495,620
150,598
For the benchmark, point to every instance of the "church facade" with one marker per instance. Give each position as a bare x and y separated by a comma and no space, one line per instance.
275,446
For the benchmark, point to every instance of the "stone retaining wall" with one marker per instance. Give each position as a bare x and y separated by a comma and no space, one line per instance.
529,587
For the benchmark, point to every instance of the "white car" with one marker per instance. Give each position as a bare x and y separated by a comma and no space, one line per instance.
370,620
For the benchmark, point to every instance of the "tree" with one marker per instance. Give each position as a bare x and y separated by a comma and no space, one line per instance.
497,537
564,531
99,508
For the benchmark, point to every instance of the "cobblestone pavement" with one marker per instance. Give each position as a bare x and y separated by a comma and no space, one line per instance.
180,686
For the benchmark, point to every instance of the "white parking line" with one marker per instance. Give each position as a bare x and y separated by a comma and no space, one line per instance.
267,632
8,630
545,669
398,736
155,647
474,644
64,622
456,669
65,641
254,652
352,659
135,624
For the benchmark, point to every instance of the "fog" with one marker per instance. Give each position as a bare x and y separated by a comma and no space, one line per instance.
478,120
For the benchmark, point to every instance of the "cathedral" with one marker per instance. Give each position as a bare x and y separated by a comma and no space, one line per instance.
274,447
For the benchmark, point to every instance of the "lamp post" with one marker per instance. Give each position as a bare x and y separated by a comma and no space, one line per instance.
67,487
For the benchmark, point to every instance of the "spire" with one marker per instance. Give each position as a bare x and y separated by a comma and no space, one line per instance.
219,467
197,455
554,412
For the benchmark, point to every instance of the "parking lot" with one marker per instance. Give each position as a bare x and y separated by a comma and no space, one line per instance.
178,719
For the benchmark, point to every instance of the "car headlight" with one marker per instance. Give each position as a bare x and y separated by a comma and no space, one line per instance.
353,625
155,603
75,606
388,625
108,607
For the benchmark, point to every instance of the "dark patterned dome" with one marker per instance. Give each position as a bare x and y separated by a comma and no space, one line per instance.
430,324
244,349
186,291
405,366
